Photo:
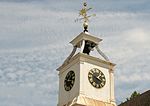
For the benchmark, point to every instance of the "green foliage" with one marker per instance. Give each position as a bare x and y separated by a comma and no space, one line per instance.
134,94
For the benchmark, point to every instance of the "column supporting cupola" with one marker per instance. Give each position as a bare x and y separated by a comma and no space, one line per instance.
86,43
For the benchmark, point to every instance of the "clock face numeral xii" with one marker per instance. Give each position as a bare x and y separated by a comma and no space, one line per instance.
96,78
69,80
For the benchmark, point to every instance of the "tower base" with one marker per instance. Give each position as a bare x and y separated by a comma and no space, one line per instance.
85,101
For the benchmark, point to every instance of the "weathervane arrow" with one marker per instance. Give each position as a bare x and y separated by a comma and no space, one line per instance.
85,17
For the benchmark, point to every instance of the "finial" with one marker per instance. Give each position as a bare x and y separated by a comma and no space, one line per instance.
85,17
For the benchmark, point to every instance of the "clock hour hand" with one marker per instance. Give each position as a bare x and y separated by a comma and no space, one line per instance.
99,77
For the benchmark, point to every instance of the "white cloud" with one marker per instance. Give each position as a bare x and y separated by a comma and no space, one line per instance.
30,76
137,35
34,38
135,77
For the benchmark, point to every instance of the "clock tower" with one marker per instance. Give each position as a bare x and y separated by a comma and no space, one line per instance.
86,80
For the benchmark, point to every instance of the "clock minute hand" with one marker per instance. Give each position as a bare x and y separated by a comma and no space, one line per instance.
98,77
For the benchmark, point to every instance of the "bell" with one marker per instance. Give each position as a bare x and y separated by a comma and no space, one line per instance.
88,47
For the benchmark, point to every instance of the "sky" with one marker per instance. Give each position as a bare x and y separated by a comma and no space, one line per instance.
34,42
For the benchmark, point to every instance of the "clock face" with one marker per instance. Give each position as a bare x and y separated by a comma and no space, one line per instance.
96,78
69,80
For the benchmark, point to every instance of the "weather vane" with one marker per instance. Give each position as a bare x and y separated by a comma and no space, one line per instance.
84,16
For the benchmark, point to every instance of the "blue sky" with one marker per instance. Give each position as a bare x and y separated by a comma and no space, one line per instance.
34,41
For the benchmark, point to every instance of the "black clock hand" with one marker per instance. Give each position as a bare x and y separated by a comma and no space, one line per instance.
97,78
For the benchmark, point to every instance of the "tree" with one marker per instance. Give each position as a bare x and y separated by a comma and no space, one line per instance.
134,94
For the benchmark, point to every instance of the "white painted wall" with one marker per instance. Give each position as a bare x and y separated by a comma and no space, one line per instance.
66,96
102,94
81,64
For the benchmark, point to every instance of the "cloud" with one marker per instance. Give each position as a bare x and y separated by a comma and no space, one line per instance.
29,76
137,35
135,77
34,42
21,1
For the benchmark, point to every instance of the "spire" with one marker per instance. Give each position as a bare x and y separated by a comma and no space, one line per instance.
83,16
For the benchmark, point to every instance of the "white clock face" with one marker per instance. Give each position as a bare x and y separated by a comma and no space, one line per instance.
96,78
